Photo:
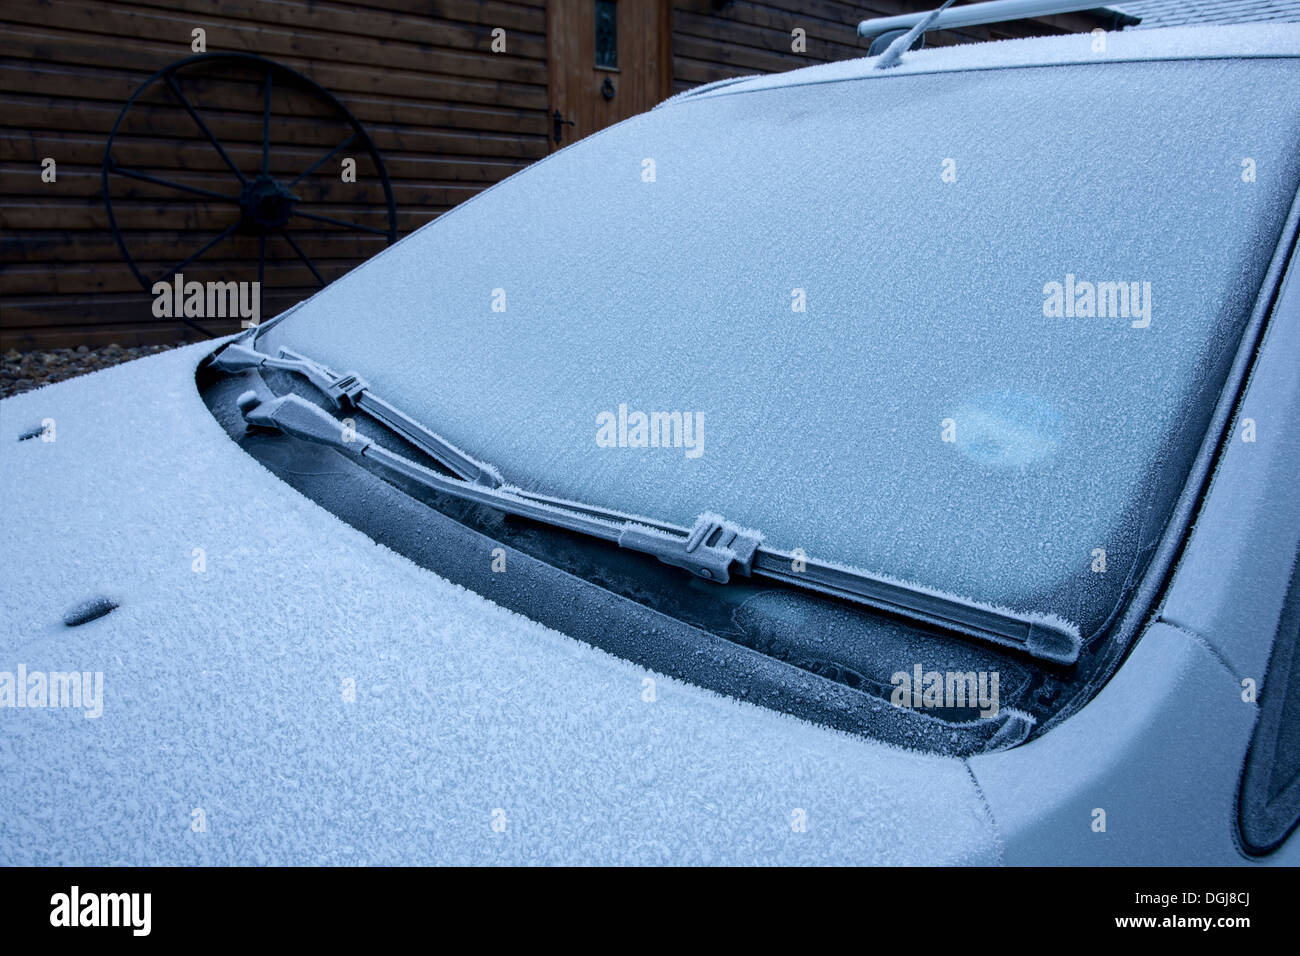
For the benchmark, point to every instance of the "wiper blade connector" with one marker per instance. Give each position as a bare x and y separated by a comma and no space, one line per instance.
713,549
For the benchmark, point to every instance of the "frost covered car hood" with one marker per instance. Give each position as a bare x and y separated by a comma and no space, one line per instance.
223,688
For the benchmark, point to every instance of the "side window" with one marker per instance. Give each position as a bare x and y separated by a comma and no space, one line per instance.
1269,804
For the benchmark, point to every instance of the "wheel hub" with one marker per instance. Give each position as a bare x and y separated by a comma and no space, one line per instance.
265,205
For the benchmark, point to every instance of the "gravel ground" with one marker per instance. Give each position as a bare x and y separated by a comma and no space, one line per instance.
25,371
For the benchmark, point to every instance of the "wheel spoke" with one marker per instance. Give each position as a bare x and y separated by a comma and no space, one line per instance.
145,177
266,125
186,261
340,222
189,108
303,256
324,159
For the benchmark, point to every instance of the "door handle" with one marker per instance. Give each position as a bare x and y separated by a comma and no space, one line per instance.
559,123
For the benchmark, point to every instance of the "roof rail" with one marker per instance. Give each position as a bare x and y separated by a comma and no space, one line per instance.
887,29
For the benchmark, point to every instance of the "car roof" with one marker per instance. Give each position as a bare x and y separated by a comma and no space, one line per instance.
1175,43
1171,13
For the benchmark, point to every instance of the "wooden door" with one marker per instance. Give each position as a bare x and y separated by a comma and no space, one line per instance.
608,60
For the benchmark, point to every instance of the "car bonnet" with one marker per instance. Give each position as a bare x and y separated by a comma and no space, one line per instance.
313,697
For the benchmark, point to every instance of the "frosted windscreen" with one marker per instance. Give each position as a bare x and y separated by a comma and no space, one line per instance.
961,328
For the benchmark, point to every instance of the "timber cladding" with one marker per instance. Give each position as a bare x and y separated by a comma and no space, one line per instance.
455,95
448,116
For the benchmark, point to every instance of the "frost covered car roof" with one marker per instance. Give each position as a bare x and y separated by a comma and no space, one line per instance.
958,327
1202,43
1169,13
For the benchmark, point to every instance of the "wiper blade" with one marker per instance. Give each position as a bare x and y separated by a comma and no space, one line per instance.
350,390
713,549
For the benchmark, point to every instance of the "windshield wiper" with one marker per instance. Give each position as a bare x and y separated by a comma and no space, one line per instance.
350,390
713,549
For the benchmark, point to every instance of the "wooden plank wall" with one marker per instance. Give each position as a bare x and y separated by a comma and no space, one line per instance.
448,115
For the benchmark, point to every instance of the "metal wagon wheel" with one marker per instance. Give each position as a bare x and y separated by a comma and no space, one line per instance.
258,204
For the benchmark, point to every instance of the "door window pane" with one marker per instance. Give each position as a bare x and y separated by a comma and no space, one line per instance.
607,33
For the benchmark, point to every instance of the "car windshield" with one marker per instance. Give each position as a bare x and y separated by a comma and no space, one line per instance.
965,329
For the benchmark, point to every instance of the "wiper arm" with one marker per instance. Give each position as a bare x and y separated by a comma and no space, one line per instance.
350,390
714,548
